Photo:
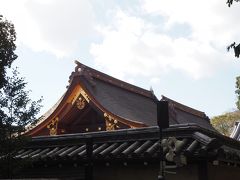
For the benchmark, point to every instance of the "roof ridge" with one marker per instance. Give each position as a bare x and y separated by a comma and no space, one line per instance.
82,69
185,108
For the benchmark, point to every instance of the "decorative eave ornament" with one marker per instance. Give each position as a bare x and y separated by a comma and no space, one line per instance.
82,99
52,126
81,103
80,95
111,122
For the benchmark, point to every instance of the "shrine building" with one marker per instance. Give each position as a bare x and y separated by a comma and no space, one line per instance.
103,128
95,101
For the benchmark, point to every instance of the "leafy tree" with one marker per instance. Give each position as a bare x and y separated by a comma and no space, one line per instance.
16,111
230,2
16,108
236,49
7,47
224,123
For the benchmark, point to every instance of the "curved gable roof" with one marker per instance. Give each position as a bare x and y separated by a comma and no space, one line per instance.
125,102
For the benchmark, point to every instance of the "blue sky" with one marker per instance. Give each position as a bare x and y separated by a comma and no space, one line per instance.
176,47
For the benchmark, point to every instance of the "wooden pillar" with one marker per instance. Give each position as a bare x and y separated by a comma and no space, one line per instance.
163,122
203,170
162,114
89,163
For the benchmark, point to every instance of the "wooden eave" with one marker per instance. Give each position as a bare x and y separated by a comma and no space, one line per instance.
210,145
62,107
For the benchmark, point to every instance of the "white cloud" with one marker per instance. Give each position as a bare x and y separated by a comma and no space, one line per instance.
133,47
209,20
133,44
55,26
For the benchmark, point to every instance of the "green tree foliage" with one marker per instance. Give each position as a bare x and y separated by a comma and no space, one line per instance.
7,47
16,108
236,49
17,111
225,123
230,2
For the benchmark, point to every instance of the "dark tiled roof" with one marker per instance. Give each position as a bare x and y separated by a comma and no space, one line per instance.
179,143
185,108
123,103
182,114
82,69
133,103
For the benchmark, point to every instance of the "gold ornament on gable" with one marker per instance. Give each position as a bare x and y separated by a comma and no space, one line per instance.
111,122
52,126
80,99
81,102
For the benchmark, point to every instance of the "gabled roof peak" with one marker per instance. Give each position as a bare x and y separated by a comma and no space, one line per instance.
90,73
